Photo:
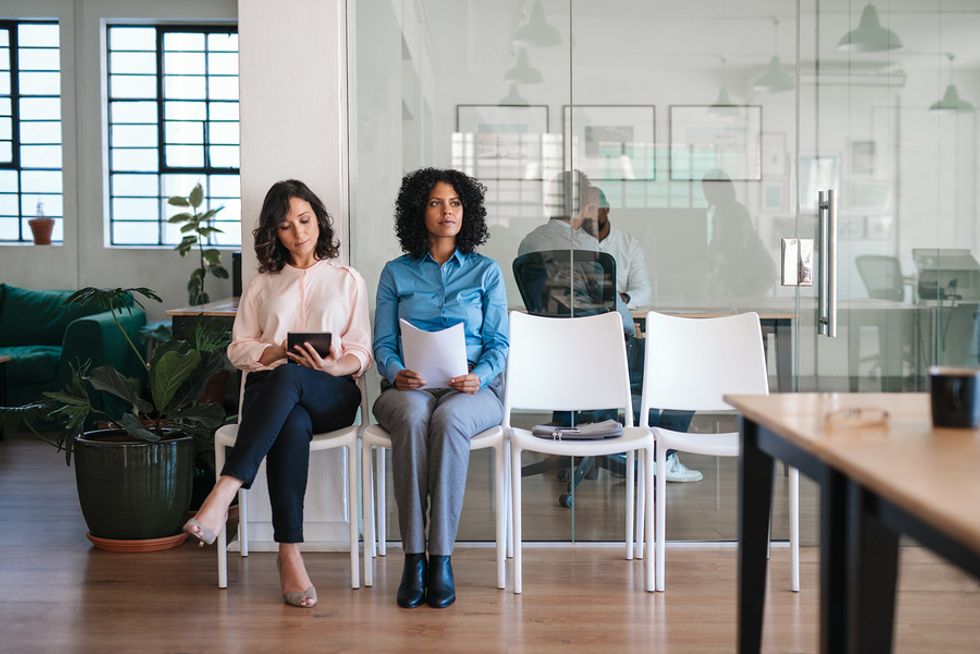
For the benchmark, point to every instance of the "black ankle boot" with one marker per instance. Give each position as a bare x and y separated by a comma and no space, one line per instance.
442,587
415,576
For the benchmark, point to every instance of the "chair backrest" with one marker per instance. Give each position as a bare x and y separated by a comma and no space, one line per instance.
567,364
566,283
691,363
882,276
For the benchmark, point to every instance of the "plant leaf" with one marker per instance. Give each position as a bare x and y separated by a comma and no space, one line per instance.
178,201
135,428
168,372
180,217
110,380
219,272
197,196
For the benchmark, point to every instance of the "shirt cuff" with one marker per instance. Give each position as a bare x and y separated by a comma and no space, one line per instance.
484,372
391,369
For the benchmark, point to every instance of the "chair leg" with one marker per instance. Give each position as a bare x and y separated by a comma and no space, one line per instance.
508,488
794,528
641,500
630,503
382,499
660,499
219,463
500,497
516,497
243,521
647,467
355,566
367,492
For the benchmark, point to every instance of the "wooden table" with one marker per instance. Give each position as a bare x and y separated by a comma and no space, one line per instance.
775,321
4,359
182,318
876,483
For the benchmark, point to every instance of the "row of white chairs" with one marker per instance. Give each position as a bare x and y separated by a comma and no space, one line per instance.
689,365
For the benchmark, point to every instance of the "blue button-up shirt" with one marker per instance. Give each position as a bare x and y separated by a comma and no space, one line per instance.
467,289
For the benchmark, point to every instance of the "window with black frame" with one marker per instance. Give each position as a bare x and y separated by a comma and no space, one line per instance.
172,123
30,128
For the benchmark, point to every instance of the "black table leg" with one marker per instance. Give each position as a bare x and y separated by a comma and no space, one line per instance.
872,556
833,562
754,503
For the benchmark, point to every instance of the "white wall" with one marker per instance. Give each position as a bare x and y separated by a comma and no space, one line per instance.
83,259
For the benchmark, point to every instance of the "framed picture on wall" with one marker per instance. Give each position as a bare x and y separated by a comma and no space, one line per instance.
610,142
501,141
861,157
706,142
773,197
817,173
774,154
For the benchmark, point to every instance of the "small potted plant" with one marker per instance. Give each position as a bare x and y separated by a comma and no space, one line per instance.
196,227
41,226
134,478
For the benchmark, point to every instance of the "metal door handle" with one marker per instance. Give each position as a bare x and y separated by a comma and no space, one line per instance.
827,218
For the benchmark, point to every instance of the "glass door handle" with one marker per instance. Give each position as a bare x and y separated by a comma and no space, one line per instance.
827,290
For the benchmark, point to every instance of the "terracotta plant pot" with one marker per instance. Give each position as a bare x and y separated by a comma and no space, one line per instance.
41,228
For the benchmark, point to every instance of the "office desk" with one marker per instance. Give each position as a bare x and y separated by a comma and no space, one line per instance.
777,321
875,483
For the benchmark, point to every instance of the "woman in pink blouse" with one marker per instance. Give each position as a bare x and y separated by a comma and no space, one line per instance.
291,395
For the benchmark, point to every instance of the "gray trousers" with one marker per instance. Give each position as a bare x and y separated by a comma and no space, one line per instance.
430,451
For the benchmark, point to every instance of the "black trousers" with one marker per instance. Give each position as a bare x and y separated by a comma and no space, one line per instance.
282,410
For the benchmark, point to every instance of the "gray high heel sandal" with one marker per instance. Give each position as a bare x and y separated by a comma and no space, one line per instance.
296,598
204,535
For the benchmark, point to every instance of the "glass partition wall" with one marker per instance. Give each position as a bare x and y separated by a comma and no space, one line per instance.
709,129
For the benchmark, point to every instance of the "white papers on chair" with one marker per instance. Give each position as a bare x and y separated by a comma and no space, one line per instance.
436,356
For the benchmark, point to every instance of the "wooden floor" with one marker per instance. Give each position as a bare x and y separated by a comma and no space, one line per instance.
57,594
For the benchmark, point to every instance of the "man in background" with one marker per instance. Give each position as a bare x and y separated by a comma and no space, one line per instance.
632,278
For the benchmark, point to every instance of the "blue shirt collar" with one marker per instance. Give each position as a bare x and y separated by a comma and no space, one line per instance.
457,255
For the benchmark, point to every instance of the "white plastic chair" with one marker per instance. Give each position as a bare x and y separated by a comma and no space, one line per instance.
345,438
690,363
570,364
375,436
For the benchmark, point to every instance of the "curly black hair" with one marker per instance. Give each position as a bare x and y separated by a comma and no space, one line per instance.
271,253
413,198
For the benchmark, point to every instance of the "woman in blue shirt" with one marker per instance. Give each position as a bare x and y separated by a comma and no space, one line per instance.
439,282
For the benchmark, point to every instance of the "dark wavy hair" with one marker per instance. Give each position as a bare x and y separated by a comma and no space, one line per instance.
413,197
271,253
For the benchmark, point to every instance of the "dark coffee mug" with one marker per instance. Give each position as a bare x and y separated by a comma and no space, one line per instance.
955,394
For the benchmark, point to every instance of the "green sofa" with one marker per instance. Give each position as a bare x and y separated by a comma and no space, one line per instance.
44,337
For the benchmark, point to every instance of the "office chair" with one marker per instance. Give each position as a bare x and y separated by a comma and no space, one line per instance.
565,284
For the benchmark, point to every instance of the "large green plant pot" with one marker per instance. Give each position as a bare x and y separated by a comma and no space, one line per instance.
131,489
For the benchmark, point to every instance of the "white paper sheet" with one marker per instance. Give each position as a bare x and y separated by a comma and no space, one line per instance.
436,356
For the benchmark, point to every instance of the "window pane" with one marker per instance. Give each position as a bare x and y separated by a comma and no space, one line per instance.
223,133
134,136
134,233
5,84
134,112
223,88
5,106
8,181
224,156
4,37
225,186
8,229
185,156
142,159
184,132
41,181
37,35
171,234
181,87
6,129
40,108
40,83
223,63
40,132
133,62
231,212
9,205
6,151
132,86
40,156
183,41
180,185
139,185
224,111
43,59
226,42
183,63
4,58
133,38
51,205
185,110
135,209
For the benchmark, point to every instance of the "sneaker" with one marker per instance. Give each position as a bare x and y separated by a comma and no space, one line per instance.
677,471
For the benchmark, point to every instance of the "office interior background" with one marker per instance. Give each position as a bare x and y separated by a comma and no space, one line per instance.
650,99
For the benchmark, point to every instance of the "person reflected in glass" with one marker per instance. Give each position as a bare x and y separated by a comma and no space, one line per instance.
739,266
291,395
440,281
632,276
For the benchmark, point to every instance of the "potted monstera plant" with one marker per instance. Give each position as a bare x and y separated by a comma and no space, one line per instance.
134,475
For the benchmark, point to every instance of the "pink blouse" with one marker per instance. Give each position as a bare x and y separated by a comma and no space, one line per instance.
325,297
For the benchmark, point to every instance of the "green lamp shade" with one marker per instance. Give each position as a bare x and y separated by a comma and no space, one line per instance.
952,101
869,36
